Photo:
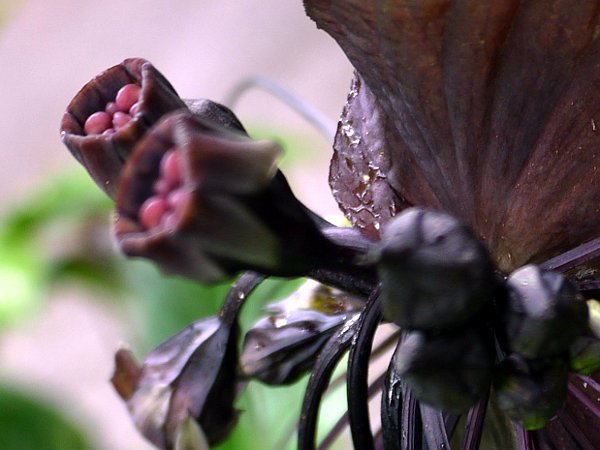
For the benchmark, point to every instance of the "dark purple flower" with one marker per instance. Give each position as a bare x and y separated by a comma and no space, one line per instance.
489,112
485,110
191,376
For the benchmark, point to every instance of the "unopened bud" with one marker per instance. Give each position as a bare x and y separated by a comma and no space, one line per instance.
450,371
544,313
434,271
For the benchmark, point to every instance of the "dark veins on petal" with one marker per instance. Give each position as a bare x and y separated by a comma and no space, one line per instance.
490,110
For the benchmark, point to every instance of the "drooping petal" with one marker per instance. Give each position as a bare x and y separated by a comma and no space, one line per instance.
281,347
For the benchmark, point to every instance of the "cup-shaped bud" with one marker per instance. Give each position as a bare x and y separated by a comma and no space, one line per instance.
450,371
191,375
434,271
109,115
543,314
181,200
279,348
530,391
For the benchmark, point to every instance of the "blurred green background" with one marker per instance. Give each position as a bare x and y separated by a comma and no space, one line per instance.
71,209
68,300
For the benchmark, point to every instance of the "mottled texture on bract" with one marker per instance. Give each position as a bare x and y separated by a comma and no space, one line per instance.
490,110
361,161
104,156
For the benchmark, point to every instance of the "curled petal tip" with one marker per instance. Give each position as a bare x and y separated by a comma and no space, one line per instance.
127,373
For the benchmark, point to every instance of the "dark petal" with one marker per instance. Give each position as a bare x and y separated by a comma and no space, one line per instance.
104,156
495,102
279,348
190,376
435,429
360,163
412,425
583,406
475,423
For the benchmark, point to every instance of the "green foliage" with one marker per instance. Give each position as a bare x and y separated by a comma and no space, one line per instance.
37,248
29,424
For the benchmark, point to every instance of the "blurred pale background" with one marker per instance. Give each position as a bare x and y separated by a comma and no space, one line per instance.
48,50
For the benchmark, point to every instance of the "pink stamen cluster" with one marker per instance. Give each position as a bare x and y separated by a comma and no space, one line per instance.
116,114
163,207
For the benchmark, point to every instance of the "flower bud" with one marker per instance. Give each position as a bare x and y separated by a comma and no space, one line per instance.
530,391
181,201
544,313
450,371
191,374
205,202
434,271
111,113
279,348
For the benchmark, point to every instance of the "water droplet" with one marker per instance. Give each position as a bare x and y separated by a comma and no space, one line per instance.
585,385
353,138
